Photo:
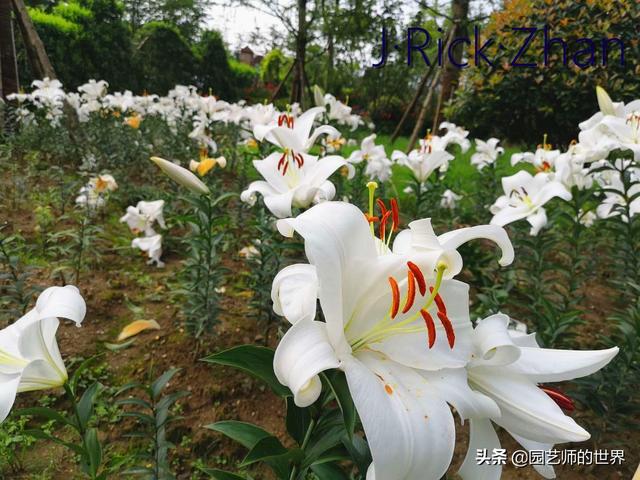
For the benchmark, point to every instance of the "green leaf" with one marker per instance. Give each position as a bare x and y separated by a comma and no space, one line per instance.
246,434
114,347
161,382
73,381
45,436
45,412
94,451
85,405
327,434
338,383
329,471
266,449
220,474
359,451
298,420
257,361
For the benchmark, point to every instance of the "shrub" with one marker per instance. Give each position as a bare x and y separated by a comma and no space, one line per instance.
522,104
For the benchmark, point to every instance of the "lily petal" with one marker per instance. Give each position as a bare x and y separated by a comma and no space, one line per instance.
295,292
483,436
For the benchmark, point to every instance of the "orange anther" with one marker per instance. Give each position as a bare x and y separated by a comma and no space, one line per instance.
431,328
563,401
448,328
395,291
422,284
395,215
411,292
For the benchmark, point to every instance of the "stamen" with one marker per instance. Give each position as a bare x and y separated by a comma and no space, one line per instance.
439,302
422,284
395,291
371,219
563,401
411,292
431,328
283,158
372,188
395,215
448,328
381,206
383,225
286,167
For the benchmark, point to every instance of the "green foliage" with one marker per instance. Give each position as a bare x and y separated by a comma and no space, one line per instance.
153,415
323,434
164,57
522,104
215,73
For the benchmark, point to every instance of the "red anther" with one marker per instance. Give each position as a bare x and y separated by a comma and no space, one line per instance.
381,206
281,119
286,166
395,291
411,292
439,302
383,225
431,327
448,328
282,160
299,159
563,401
290,122
395,216
422,284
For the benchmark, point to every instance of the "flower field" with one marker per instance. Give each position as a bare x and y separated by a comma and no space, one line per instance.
195,288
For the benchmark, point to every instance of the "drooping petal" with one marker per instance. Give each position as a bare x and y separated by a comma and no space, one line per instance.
483,436
38,345
295,292
526,409
8,390
509,215
280,204
302,354
136,327
544,365
545,470
62,302
409,429
452,240
537,220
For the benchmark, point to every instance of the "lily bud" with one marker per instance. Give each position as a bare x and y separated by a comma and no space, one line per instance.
604,101
181,175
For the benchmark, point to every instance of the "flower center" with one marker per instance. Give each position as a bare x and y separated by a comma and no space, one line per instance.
389,326
289,157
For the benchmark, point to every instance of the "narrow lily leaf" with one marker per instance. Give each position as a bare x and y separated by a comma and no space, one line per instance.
45,436
220,474
246,434
338,384
136,327
298,420
45,412
115,347
94,451
86,403
266,449
257,361
161,382
329,470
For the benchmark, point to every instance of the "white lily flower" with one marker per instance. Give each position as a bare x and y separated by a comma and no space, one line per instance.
378,165
613,203
152,246
293,181
524,197
486,153
29,355
587,218
544,158
394,320
423,161
142,217
94,193
293,135
508,366
449,199
455,134
181,176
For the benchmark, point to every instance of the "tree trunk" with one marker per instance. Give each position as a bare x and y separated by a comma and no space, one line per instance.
297,90
33,45
8,65
413,102
451,74
423,112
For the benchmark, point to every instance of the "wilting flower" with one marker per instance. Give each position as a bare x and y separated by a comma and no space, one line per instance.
587,218
510,368
142,217
524,197
333,143
449,199
152,246
394,320
133,121
29,355
181,176
486,153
